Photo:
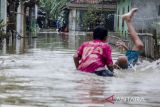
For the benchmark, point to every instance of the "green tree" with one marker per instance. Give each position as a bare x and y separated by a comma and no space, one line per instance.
53,8
92,18
2,24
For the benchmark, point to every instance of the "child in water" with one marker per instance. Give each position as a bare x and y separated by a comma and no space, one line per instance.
95,55
131,55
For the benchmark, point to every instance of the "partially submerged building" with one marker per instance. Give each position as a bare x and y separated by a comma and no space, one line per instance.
17,16
79,7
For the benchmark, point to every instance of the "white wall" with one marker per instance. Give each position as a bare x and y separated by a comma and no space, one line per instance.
20,19
3,14
72,20
147,13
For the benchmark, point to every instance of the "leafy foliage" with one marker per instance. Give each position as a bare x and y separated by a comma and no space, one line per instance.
53,8
92,18
2,24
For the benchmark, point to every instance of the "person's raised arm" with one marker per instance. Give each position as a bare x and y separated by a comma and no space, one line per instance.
138,44
121,44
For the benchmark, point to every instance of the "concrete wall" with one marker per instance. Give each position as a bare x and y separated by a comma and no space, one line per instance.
146,16
3,11
0,9
20,19
72,20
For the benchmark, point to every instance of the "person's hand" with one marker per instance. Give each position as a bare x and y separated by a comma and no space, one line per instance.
116,66
120,44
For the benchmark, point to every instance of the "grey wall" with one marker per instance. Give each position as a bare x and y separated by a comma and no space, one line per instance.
147,13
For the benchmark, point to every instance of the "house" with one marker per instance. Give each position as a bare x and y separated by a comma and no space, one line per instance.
77,9
147,17
14,14
20,16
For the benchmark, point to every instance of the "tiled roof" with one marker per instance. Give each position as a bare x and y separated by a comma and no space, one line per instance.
92,1
107,7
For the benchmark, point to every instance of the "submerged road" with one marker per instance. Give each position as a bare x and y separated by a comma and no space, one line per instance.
43,75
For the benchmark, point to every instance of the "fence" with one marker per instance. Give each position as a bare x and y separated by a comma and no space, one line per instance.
148,41
150,49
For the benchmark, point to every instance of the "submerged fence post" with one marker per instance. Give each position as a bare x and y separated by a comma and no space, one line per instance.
147,39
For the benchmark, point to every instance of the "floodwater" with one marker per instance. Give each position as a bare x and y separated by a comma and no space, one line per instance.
42,74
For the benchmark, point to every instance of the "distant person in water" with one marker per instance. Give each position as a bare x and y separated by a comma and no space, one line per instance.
94,56
131,57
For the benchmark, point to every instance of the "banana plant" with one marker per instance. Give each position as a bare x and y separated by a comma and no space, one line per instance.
2,24
53,7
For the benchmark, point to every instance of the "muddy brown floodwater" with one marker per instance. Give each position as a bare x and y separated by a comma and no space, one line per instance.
42,74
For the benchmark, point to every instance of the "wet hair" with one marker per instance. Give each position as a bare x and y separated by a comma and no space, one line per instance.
100,33
122,62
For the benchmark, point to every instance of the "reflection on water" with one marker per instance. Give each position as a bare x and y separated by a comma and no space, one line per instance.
42,74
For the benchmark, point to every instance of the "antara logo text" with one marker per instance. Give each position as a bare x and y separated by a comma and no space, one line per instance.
127,99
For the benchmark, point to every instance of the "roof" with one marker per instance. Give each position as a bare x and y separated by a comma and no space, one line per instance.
93,1
108,5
